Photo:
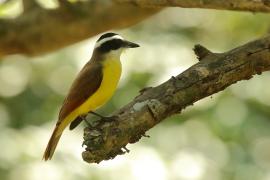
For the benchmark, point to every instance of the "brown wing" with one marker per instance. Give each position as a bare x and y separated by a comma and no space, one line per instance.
86,83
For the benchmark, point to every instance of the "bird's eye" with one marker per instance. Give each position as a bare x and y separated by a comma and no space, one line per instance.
116,44
113,44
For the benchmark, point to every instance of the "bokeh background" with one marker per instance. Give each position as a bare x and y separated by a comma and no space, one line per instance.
226,136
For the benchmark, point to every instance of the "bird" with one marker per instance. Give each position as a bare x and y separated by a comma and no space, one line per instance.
93,87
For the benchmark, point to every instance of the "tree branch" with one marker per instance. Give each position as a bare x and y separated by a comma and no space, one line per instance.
242,5
39,30
212,74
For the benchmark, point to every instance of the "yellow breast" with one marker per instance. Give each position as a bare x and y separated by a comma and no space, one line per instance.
111,74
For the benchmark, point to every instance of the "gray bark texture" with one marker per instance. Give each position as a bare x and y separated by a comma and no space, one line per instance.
213,73
37,31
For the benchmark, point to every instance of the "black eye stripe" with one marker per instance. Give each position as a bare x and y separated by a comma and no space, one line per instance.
106,36
110,45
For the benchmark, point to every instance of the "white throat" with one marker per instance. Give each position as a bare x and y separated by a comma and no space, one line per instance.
114,54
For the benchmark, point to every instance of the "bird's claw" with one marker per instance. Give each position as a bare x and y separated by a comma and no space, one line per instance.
109,119
144,135
126,149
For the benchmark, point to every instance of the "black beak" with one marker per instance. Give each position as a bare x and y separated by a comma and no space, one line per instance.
129,44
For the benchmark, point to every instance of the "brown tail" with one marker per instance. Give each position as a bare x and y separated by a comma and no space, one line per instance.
52,144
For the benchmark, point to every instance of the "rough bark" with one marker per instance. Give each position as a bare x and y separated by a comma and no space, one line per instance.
213,73
39,30
240,5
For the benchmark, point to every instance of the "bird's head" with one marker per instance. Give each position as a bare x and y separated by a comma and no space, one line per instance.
112,44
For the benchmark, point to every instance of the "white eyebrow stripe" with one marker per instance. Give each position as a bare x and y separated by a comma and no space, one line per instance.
107,39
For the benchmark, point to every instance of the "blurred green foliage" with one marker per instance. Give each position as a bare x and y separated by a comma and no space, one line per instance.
226,136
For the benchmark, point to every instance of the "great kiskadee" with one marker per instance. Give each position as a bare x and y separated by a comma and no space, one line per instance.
93,87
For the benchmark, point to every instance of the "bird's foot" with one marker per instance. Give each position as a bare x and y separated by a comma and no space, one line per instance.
126,149
145,135
96,114
109,119
104,118
86,122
